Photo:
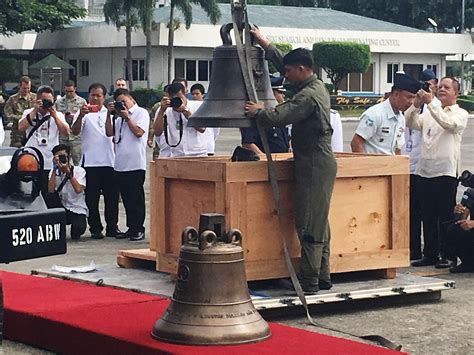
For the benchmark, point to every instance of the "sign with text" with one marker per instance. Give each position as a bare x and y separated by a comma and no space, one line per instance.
356,100
32,234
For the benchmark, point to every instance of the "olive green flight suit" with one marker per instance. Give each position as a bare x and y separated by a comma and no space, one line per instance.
13,111
315,169
64,104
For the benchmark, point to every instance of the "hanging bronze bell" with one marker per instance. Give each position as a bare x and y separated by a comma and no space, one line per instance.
224,103
211,304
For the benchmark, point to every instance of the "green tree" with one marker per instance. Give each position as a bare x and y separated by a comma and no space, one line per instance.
7,71
25,15
411,13
341,58
300,3
145,12
209,6
124,13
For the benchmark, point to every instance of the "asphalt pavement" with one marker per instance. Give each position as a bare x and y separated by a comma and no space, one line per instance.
434,327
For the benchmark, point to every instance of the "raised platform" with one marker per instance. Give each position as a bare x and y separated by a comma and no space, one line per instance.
267,294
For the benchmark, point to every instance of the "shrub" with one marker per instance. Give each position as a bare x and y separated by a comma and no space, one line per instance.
147,97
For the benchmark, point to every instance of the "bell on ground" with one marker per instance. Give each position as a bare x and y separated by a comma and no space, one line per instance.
224,103
211,304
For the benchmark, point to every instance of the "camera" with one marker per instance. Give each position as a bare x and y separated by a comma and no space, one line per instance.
47,103
176,102
467,179
119,106
425,86
467,199
62,159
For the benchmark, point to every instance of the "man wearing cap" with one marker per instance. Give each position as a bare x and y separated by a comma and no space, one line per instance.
278,139
381,127
314,161
438,167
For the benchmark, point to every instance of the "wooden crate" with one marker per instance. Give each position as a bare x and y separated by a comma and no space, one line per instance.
368,215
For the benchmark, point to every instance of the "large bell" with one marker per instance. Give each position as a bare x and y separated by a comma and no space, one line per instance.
211,304
224,103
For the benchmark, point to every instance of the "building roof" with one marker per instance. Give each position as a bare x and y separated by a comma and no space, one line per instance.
51,62
292,17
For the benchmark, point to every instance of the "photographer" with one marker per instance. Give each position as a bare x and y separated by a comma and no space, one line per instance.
129,130
66,186
461,239
441,128
43,124
98,159
172,120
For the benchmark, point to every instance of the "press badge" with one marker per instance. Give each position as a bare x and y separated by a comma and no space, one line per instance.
409,146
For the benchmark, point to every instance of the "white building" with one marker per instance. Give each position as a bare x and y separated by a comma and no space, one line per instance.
97,50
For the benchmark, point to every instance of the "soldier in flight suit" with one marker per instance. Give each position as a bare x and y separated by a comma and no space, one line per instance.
315,164
14,108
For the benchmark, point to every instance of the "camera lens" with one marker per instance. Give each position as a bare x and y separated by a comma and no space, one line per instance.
43,141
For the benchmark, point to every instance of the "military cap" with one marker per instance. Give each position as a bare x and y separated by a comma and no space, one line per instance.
406,83
300,56
277,83
428,75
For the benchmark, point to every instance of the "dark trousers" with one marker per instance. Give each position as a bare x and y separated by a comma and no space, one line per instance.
415,219
101,180
437,198
78,223
462,243
133,196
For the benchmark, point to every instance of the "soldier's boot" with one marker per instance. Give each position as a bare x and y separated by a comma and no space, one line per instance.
310,266
324,273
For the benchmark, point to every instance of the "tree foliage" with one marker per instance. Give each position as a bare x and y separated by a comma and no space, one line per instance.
298,3
341,58
17,16
124,13
283,48
413,13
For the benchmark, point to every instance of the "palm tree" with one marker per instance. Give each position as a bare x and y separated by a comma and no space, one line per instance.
209,6
145,11
124,13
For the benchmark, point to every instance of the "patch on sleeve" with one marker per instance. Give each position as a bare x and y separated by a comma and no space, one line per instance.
369,122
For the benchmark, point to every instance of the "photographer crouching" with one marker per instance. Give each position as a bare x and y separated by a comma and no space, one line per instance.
461,232
66,189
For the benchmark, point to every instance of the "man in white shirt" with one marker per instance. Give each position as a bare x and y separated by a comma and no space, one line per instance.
98,158
197,94
2,132
43,124
69,182
172,120
130,131
381,127
337,141
412,148
442,128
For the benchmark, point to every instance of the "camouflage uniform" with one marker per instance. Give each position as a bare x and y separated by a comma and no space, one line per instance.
71,105
315,169
13,111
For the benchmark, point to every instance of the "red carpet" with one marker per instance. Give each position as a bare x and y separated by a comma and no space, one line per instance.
75,318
